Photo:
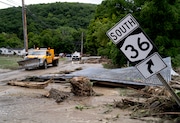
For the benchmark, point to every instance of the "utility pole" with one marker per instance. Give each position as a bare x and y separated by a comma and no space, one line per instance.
82,43
24,26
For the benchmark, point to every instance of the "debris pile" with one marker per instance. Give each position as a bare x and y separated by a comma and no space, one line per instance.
156,91
101,60
157,102
81,86
69,71
175,82
59,96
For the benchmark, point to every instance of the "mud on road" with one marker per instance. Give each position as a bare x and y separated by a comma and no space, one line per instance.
24,105
6,75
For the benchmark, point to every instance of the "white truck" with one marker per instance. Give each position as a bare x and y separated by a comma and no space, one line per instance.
76,56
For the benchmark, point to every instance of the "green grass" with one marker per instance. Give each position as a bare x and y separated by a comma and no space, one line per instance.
9,62
62,59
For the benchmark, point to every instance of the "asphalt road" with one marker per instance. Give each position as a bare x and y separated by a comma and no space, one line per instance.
22,73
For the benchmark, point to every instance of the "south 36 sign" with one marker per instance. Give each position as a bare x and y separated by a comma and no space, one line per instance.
131,40
136,46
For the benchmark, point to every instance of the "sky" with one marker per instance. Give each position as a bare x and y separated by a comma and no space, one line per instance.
11,3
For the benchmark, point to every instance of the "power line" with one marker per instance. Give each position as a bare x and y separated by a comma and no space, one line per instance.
7,4
11,1
30,12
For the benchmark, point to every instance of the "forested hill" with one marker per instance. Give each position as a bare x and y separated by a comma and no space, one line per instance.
46,16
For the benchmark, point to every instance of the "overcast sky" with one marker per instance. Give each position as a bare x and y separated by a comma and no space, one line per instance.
11,3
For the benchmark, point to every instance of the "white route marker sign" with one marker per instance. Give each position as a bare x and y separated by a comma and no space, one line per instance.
136,47
150,66
121,30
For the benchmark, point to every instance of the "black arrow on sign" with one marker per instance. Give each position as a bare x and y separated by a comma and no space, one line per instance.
150,63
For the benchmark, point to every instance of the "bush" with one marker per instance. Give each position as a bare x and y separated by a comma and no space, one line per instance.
176,61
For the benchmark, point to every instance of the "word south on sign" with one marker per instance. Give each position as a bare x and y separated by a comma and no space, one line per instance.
121,30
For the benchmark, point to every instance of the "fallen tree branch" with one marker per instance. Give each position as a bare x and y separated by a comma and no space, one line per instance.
36,85
176,86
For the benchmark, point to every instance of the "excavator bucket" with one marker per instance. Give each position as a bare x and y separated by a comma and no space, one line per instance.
29,63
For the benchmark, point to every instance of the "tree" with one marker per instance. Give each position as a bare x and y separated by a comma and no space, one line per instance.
46,16
33,40
10,40
58,25
3,40
107,14
158,18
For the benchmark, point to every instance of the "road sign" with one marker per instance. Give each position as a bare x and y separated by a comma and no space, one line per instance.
121,30
136,47
152,65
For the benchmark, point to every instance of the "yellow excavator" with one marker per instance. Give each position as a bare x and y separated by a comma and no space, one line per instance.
39,58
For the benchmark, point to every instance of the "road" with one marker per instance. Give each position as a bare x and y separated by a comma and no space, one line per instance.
63,65
24,105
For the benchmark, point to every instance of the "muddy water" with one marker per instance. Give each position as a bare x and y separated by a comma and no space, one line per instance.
22,105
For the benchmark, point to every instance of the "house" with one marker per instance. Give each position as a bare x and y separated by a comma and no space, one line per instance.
19,51
12,51
6,51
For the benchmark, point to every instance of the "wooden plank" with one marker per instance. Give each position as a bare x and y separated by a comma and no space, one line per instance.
37,85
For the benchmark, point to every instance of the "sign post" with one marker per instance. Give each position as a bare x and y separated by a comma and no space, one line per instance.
138,47
169,88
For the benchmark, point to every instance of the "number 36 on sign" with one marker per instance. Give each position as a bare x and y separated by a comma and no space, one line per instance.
136,47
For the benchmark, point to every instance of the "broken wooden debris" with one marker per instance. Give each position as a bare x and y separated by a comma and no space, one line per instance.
115,84
79,68
34,79
59,96
81,86
175,84
65,72
96,60
125,103
69,71
27,84
156,104
156,91
56,79
150,91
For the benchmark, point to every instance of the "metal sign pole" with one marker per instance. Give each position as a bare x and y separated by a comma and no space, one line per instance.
176,97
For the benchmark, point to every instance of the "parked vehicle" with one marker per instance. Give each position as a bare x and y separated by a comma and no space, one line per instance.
76,56
61,55
39,58
68,55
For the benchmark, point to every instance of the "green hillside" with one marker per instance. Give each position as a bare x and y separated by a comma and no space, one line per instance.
68,20
43,16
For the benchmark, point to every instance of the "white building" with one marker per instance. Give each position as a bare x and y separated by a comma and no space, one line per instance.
19,51
11,51
6,51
